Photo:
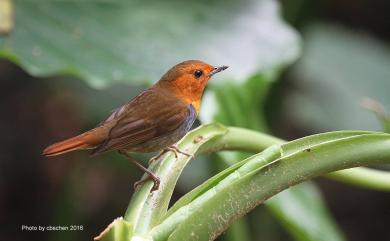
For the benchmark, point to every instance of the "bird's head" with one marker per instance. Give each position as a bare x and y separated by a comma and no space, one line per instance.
188,79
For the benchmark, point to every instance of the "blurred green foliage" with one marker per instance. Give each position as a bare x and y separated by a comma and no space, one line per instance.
135,41
338,70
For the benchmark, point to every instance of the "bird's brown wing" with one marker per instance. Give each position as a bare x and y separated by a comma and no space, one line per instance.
149,115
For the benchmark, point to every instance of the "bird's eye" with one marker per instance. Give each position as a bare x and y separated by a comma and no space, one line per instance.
198,73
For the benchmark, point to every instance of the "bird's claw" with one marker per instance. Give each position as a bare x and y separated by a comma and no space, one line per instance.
155,180
176,150
155,158
173,149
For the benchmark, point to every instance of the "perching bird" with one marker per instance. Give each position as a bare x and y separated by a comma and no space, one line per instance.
153,120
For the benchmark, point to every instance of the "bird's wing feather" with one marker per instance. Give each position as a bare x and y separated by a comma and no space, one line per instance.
149,115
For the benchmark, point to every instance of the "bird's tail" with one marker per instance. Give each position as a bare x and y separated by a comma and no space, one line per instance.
80,142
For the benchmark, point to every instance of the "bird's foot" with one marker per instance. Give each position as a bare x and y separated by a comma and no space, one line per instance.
154,178
173,149
151,175
176,151
155,158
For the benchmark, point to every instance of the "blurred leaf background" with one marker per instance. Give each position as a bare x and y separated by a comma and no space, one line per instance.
297,67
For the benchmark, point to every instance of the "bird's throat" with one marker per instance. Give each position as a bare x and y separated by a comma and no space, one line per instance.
186,93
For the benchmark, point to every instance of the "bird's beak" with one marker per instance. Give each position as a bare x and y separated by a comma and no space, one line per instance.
217,70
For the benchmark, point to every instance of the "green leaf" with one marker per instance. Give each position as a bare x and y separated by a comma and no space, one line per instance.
339,68
259,177
137,41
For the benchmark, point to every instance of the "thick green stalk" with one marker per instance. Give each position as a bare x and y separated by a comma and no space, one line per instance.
363,177
241,139
147,210
234,192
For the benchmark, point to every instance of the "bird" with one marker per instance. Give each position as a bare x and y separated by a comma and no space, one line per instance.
152,121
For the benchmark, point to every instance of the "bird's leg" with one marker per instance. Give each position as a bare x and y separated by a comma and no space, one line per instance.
151,175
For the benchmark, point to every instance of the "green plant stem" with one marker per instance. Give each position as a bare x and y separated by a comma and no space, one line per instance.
147,209
291,163
363,177
241,139
235,191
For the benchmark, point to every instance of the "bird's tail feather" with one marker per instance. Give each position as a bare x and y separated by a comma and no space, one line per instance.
75,143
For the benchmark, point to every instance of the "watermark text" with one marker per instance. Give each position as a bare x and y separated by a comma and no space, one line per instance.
52,228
